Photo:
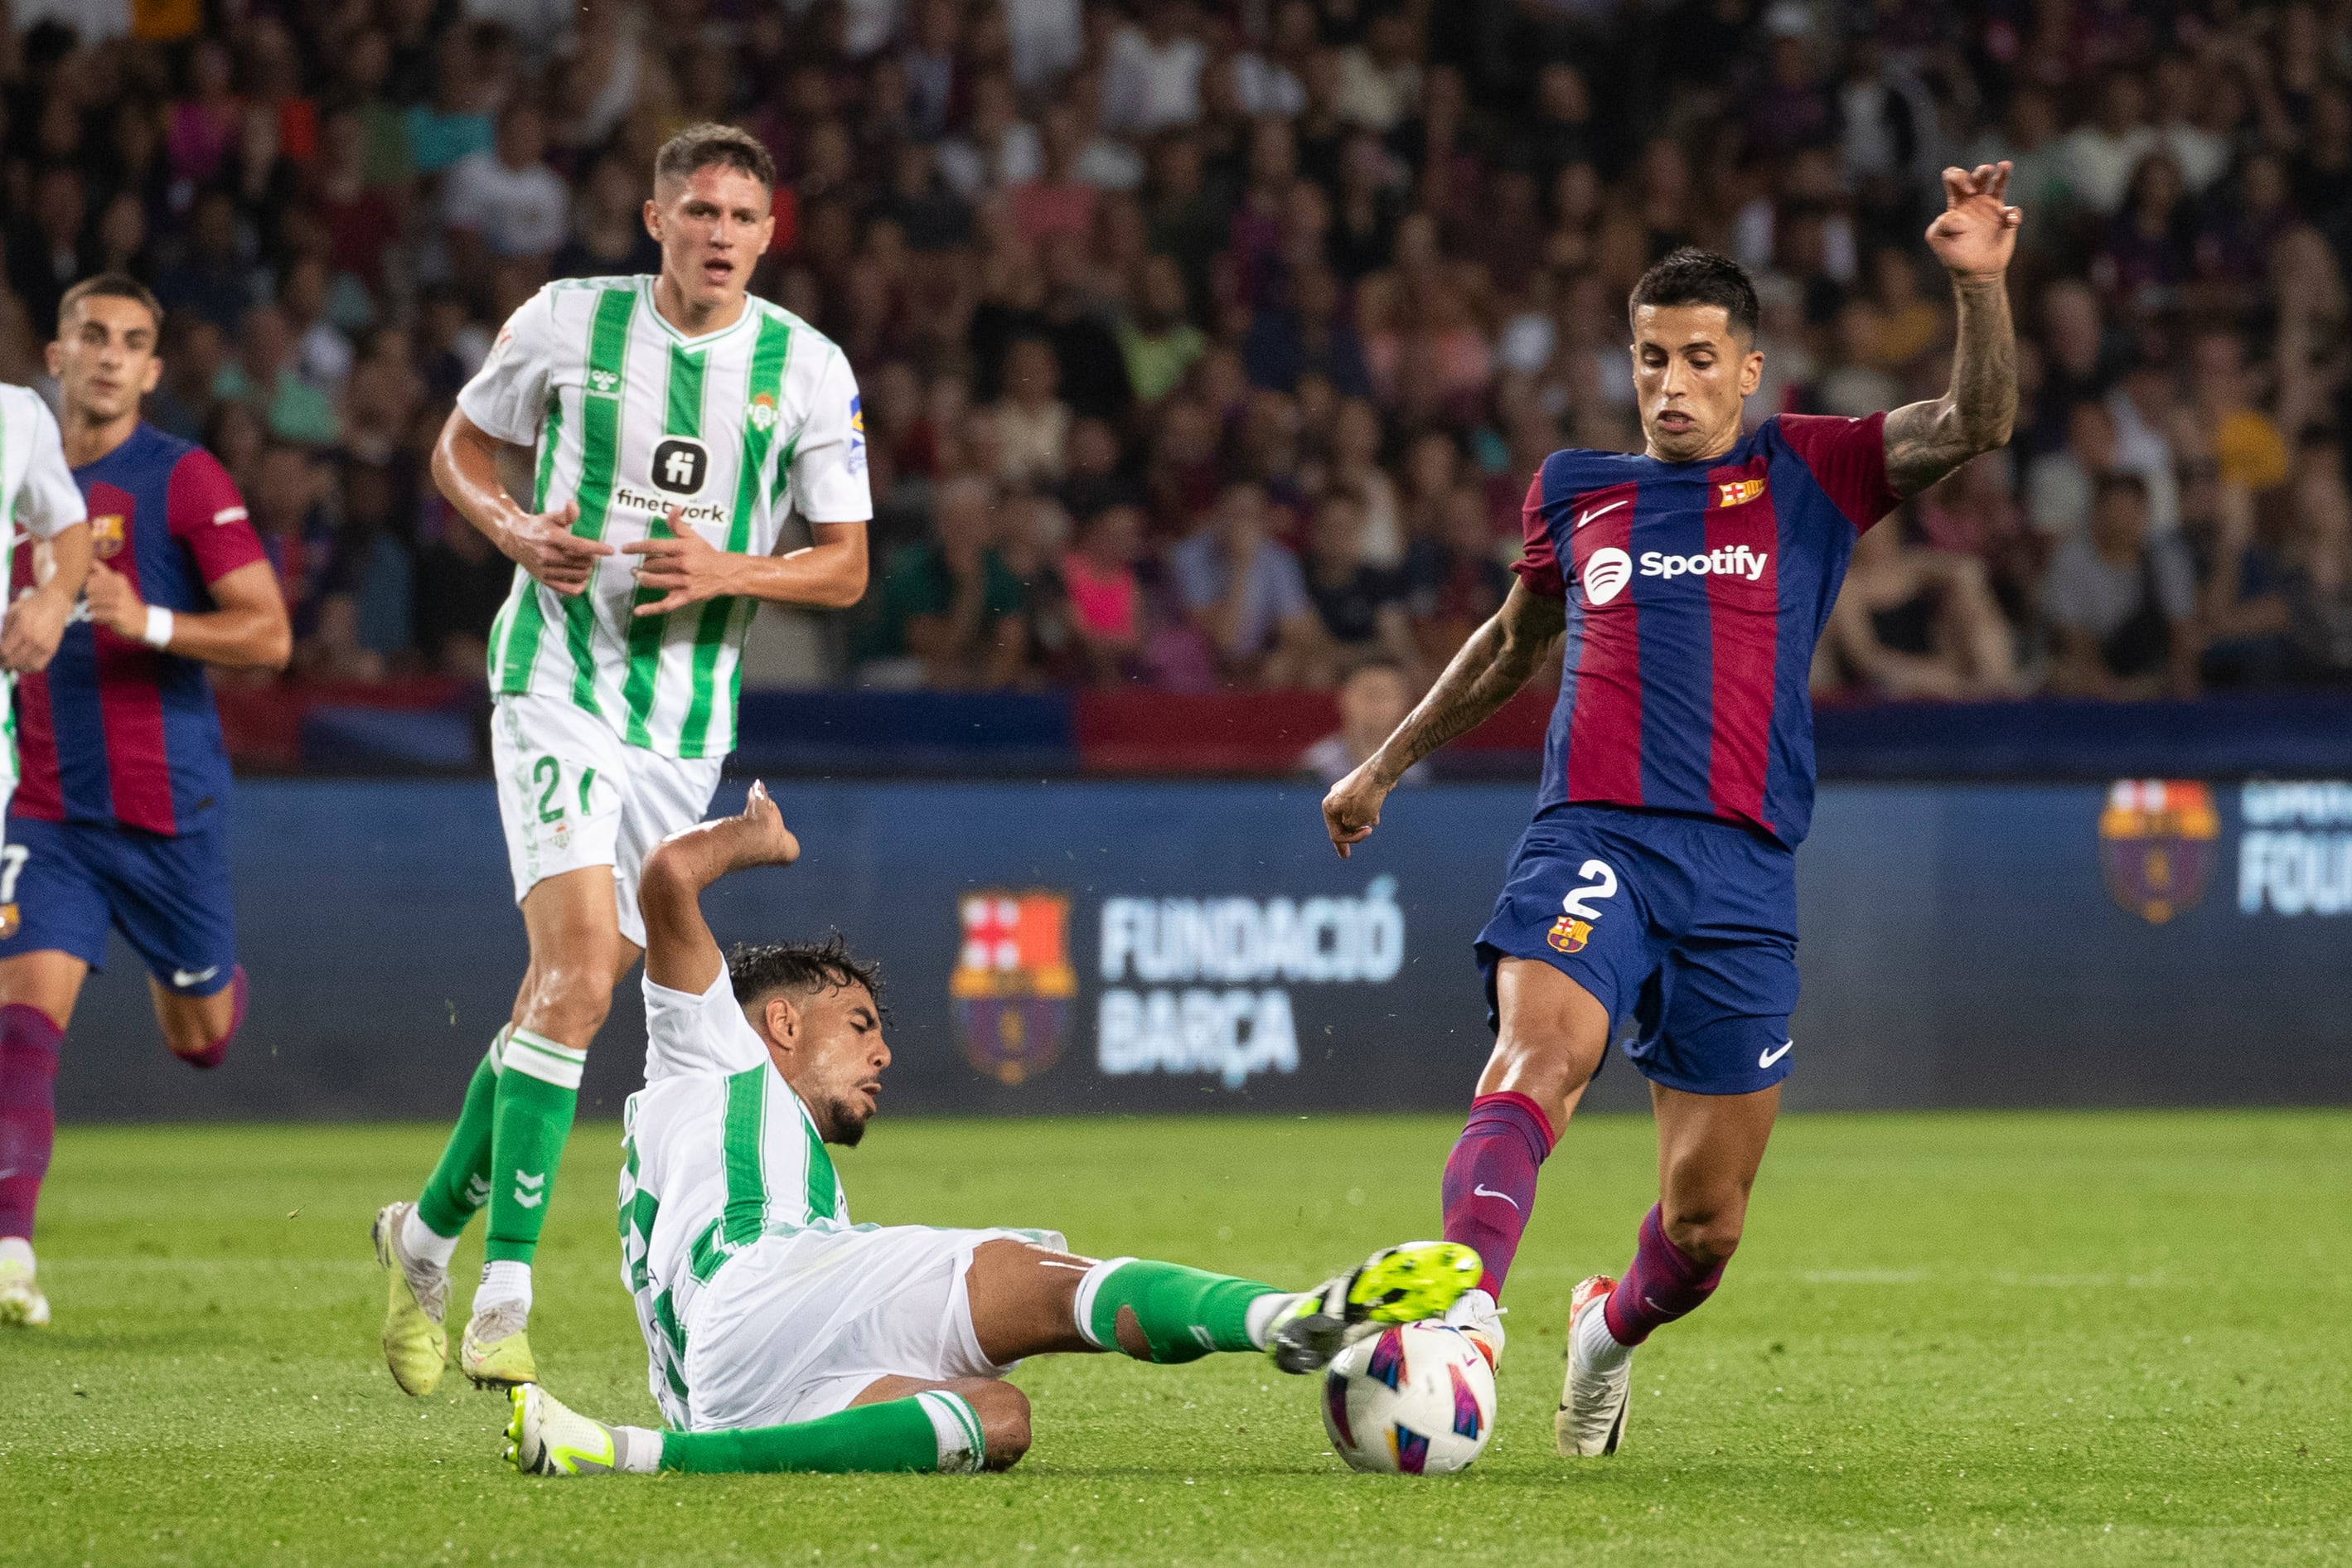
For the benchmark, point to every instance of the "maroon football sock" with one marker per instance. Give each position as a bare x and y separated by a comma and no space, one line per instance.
28,1116
212,1055
1490,1180
1663,1283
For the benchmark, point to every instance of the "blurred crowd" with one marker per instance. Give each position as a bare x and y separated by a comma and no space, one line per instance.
1212,343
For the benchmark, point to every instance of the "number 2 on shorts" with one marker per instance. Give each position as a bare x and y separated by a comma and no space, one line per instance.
549,772
1600,882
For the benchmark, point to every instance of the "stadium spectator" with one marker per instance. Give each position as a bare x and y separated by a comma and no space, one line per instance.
263,376
1374,698
1915,622
949,613
2122,602
505,199
1106,596
1360,608
1453,582
1246,595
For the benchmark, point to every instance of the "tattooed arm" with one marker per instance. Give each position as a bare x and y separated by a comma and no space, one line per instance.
1974,238
1492,666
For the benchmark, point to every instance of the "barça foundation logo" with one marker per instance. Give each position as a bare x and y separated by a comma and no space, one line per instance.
2158,842
1012,984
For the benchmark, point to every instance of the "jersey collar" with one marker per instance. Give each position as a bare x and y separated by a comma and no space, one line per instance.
750,313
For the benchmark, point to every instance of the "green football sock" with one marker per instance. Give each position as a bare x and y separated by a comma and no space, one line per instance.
932,1431
1184,1314
460,1184
539,1087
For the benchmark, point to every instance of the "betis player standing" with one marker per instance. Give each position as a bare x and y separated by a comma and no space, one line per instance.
1658,879
669,425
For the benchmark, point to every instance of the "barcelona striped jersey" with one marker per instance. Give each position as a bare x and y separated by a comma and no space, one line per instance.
114,730
1696,592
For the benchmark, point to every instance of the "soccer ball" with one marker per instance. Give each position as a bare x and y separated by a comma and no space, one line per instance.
1416,1399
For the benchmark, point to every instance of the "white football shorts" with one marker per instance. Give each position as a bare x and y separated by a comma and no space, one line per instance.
571,792
796,1326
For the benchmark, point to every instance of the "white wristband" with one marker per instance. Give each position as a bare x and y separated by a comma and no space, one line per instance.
159,627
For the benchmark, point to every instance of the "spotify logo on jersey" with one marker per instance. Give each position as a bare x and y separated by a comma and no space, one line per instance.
1606,572
679,465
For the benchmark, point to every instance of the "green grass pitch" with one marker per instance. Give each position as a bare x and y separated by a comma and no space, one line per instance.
2012,1339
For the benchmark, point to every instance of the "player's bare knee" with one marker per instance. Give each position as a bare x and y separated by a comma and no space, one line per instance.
571,1001
1547,1066
1003,1412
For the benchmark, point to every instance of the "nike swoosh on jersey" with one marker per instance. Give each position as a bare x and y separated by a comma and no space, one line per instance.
183,977
1599,512
1483,1191
1769,1057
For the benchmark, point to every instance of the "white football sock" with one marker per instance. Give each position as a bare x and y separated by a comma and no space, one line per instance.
636,1450
1257,1319
15,1250
1595,1348
503,1282
422,1241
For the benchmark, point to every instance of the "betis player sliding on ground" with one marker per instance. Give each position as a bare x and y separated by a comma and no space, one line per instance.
779,1336
1657,881
668,424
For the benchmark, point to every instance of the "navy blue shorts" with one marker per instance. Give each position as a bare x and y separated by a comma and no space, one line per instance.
168,895
1686,926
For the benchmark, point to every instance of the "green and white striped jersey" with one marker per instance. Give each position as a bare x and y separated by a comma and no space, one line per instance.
629,417
717,1152
38,496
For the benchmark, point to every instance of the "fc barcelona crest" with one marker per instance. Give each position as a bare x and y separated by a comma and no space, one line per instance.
1570,934
106,535
2158,842
1013,984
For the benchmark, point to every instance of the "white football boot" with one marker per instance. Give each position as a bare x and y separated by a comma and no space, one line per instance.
1594,1404
1481,1323
22,1305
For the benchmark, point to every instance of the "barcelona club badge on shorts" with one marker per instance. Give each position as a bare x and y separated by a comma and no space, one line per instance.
1570,934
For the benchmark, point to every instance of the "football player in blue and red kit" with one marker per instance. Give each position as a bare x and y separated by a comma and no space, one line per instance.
120,817
1657,881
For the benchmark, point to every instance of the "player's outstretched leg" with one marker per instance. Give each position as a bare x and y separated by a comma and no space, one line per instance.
28,1069
1548,1042
1710,1149
1027,1301
936,1430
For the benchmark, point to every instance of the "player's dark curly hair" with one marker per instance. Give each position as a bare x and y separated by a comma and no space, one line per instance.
700,146
1694,277
759,971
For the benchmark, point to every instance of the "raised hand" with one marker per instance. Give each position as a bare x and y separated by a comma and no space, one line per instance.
1977,232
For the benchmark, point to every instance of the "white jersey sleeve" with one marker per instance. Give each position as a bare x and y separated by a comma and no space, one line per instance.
507,397
49,502
706,1034
828,477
